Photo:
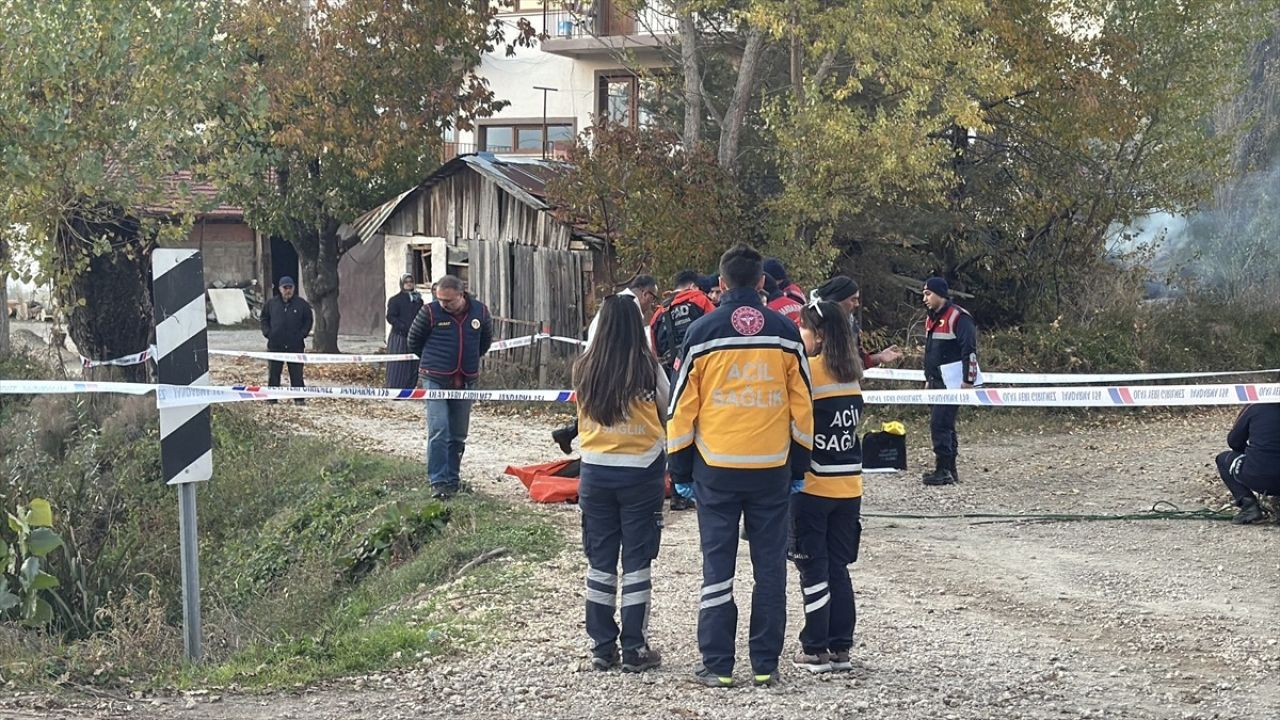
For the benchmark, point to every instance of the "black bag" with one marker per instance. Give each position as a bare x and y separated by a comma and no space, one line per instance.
882,451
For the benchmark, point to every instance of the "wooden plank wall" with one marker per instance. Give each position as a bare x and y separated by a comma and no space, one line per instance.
520,264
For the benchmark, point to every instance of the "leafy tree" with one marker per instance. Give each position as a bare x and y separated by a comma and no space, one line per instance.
100,103
359,94
658,207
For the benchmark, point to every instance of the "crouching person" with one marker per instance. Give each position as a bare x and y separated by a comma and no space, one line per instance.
1252,465
826,507
622,395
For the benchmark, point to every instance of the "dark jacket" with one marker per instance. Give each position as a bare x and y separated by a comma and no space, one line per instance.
1257,435
451,345
741,406
286,325
671,322
402,308
952,336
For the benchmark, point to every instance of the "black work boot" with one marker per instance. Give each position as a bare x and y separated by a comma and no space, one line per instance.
951,467
941,474
564,436
1250,512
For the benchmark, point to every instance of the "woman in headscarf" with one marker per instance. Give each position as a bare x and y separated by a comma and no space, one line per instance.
402,308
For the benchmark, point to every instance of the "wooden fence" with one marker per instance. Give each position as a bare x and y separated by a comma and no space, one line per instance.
543,363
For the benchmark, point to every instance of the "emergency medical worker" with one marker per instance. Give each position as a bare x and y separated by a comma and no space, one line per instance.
843,291
1252,465
644,289
826,508
622,394
951,340
742,428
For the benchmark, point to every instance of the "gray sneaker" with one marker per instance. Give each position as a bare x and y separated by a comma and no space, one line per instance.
641,659
703,676
608,661
817,663
840,661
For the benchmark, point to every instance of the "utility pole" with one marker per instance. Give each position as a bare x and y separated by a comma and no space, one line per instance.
544,90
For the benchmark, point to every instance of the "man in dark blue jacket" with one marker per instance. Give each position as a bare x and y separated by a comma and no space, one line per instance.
950,361
286,322
1253,462
450,334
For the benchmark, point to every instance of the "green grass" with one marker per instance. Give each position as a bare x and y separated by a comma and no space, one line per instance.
396,616
282,524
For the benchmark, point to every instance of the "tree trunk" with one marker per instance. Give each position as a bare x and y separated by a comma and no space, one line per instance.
4,303
318,257
736,114
108,303
692,82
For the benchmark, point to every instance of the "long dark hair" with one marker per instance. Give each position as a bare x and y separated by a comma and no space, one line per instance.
839,349
618,367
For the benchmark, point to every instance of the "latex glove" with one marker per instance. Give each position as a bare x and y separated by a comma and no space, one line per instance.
797,485
684,490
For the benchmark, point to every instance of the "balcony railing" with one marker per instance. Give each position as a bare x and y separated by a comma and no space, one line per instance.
556,150
576,20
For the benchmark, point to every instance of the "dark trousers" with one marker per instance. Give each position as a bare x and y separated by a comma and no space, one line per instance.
273,373
1243,485
827,533
942,429
628,520
764,513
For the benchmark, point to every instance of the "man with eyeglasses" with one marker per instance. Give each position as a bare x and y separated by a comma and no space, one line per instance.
450,334
645,290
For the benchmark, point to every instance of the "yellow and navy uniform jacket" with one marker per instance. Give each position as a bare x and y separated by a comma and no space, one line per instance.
835,468
741,407
618,453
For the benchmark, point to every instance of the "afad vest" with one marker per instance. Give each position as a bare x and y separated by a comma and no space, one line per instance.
454,345
835,467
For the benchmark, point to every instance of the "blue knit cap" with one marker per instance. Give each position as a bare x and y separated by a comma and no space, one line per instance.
938,286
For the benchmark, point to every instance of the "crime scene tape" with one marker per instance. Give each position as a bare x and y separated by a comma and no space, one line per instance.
134,359
314,358
347,358
1016,378
1078,396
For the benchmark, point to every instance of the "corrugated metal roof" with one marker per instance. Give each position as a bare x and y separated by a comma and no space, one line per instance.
523,178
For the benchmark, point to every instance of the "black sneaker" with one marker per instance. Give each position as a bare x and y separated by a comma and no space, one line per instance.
603,663
443,493
680,502
763,680
940,477
703,676
641,659
1249,513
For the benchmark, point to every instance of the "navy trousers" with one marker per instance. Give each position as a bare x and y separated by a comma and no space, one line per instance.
827,534
764,512
624,520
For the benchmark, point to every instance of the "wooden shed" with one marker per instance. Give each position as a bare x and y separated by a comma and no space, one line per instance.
485,220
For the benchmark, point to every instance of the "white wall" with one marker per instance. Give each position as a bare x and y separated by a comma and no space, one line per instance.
513,79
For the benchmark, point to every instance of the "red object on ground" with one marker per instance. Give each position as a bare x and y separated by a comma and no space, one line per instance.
553,482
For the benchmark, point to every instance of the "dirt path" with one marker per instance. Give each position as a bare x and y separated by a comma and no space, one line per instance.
1150,619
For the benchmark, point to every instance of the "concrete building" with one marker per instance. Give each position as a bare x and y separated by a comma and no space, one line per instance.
585,62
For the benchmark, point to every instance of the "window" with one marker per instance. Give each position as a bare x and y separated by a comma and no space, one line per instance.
527,6
622,98
525,138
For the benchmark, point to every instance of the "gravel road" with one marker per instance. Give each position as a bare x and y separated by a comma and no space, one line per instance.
1135,620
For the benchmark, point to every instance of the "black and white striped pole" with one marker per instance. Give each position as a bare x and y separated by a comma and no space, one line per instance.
186,440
